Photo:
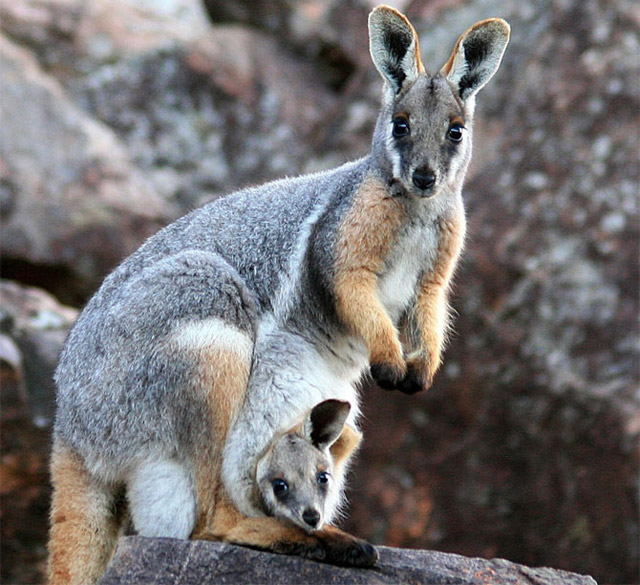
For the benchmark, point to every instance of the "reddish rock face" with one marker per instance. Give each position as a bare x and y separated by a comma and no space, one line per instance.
526,446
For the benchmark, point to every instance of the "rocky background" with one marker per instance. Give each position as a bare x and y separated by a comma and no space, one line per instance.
117,116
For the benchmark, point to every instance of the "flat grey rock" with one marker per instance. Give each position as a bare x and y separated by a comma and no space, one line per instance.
163,561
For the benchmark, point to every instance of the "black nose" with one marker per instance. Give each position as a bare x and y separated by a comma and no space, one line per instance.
311,517
424,178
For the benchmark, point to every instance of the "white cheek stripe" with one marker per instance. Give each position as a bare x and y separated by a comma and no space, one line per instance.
394,155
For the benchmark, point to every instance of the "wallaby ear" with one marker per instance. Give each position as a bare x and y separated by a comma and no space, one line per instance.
325,422
394,47
476,56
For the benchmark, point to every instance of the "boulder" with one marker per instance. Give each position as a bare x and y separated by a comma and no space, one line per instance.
71,38
131,113
168,562
71,197
228,109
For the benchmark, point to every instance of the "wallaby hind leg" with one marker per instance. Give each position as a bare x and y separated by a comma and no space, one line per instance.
84,522
221,356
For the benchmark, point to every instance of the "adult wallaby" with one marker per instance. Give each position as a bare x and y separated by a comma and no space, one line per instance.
232,322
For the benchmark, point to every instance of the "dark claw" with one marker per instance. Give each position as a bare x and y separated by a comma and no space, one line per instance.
371,555
385,376
413,382
357,553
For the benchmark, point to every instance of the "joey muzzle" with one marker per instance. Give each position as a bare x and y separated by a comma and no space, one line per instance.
311,517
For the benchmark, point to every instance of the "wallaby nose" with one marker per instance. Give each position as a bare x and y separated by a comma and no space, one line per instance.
311,517
424,178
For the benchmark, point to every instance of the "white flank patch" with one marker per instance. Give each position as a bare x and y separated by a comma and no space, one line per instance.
213,333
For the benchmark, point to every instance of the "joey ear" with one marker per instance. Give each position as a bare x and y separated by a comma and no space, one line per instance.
325,422
476,56
394,47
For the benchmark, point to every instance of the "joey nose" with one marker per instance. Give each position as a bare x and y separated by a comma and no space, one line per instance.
424,179
311,517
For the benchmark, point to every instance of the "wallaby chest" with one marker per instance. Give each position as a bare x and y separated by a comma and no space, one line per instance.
414,253
396,238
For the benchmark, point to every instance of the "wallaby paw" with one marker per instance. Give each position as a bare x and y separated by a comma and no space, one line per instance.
417,379
311,552
386,376
350,552
309,548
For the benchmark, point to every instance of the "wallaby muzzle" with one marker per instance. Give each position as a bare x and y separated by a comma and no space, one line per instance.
424,179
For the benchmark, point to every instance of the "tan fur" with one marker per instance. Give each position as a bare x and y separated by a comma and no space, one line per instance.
224,374
84,526
275,535
431,309
230,525
347,443
364,239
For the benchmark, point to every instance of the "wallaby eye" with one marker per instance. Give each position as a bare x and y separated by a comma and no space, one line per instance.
280,487
323,478
455,132
400,127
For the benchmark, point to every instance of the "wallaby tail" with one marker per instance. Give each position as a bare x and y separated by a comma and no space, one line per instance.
84,521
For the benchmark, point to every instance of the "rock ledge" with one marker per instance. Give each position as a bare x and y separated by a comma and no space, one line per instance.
164,561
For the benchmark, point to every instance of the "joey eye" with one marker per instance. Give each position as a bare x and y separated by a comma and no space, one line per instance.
400,127
280,487
455,132
323,478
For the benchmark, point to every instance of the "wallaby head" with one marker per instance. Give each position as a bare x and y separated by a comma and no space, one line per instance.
422,140
294,476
